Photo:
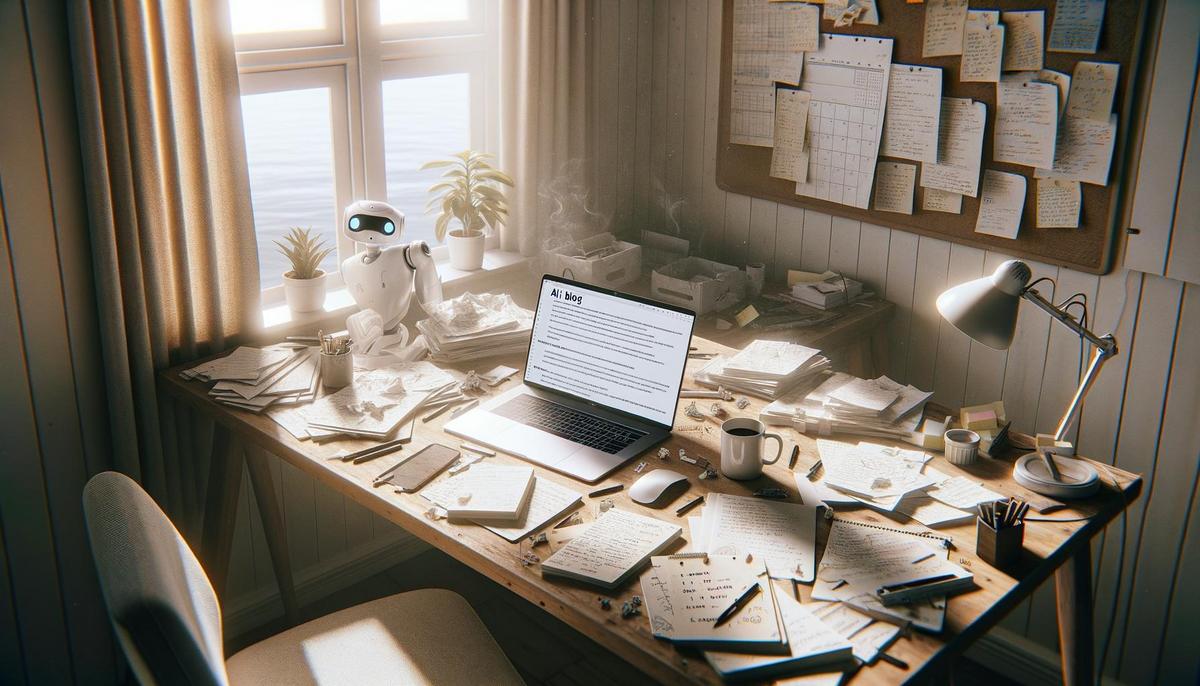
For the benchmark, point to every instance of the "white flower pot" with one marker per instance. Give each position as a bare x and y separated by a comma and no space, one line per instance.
305,295
466,252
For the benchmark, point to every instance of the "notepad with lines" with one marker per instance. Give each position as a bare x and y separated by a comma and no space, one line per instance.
612,549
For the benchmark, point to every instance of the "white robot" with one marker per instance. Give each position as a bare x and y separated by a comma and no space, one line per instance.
383,278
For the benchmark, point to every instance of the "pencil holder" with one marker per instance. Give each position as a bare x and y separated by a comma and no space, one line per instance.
999,548
337,371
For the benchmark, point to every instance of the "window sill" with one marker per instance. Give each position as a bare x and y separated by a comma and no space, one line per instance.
338,302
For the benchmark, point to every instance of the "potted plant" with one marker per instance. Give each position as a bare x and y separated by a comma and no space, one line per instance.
469,193
304,285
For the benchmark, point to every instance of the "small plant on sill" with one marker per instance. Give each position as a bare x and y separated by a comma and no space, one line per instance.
304,285
471,192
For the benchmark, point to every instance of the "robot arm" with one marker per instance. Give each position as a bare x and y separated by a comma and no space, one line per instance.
427,283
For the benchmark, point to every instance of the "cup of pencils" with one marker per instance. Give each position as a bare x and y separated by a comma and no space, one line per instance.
1000,531
337,362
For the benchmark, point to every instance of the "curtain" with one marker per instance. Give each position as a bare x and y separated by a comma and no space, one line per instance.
172,234
545,48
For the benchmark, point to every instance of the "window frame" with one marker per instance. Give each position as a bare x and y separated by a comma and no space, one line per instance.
352,56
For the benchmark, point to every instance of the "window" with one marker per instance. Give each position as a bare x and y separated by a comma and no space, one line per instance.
345,99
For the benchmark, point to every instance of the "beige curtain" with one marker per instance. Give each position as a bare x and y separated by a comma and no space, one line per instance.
172,233
545,88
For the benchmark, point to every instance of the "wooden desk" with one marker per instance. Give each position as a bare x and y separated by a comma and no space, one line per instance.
1060,548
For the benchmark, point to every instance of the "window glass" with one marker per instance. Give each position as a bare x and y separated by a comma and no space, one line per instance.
289,151
424,118
269,16
422,11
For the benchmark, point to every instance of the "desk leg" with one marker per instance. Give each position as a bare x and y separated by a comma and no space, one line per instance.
1073,591
220,505
273,529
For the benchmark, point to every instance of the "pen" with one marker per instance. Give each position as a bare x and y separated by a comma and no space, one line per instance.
813,470
795,454
606,490
383,450
742,601
366,451
689,505
893,661
916,583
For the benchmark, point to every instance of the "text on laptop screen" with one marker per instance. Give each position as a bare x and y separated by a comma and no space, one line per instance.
609,350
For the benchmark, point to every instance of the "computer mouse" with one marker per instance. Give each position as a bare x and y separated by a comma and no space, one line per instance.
659,485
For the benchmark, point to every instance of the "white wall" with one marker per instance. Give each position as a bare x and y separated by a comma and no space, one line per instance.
657,71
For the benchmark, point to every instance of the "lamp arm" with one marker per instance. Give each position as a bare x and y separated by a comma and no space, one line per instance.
1106,347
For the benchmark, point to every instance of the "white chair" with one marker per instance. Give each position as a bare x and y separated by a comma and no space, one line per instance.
168,621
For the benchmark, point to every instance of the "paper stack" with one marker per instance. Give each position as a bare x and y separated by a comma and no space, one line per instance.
767,369
832,291
374,406
476,326
612,548
843,403
782,535
487,493
254,379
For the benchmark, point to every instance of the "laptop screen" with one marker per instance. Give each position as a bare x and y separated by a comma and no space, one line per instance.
615,350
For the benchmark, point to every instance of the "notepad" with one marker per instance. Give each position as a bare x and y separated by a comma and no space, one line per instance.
612,548
783,535
684,595
487,492
811,643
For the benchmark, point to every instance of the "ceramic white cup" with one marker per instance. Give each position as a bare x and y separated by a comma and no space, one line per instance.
742,442
962,446
337,371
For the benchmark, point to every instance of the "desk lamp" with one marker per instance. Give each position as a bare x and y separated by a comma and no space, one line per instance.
986,310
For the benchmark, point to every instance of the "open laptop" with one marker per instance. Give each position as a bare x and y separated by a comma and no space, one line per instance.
601,382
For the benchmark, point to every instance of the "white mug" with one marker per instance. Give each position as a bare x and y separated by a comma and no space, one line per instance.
742,448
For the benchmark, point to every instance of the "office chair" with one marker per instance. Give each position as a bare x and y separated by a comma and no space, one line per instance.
168,622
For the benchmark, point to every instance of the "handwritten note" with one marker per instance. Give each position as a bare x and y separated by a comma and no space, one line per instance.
809,639
1076,26
894,183
612,548
860,559
684,597
549,501
1001,202
960,148
791,121
1058,204
938,200
944,20
1026,122
769,40
983,47
914,104
783,535
752,117
959,491
1092,90
1024,33
1060,81
1084,152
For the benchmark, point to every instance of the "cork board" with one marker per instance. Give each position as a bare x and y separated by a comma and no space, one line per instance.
745,169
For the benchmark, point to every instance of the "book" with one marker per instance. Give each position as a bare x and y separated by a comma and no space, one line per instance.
612,548
812,644
486,493
685,594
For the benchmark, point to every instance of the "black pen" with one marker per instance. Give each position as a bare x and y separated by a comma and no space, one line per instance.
795,454
893,661
742,601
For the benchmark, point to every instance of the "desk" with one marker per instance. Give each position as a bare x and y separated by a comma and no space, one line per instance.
1061,549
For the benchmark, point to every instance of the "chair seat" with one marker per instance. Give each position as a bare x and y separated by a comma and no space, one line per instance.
430,636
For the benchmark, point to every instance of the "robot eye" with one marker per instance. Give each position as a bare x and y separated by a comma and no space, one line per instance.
354,223
389,228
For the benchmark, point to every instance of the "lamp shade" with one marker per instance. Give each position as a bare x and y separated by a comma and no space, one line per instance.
986,308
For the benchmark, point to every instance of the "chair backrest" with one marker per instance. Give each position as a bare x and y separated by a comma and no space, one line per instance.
161,603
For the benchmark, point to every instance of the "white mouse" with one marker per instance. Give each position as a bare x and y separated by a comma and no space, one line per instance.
654,485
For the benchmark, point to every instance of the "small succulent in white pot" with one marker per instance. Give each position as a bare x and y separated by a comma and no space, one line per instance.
470,193
304,285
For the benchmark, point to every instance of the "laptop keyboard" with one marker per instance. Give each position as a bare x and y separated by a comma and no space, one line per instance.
569,423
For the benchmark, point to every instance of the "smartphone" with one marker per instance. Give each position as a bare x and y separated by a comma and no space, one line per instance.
417,470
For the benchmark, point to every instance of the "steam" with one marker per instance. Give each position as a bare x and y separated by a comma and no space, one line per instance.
568,209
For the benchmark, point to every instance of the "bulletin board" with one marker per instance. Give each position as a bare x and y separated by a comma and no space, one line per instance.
745,169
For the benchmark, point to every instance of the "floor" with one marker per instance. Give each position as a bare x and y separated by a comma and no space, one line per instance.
544,650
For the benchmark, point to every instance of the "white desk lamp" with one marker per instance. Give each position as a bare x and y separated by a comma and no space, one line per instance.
986,310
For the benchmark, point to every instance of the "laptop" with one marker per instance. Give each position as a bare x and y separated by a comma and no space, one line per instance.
601,382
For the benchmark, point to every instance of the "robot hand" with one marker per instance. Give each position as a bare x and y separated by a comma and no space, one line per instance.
426,280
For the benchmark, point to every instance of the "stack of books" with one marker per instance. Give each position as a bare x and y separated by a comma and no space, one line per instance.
255,379
472,326
768,369
831,291
844,403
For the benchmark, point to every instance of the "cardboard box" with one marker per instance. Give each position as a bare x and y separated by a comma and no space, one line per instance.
615,262
699,284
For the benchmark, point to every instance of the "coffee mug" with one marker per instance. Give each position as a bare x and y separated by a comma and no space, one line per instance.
742,448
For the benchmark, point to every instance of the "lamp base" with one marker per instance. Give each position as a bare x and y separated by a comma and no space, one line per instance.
1078,479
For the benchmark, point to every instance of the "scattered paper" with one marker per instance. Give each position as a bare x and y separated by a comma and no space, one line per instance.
944,21
848,79
684,597
938,200
868,637
959,491
810,641
1023,34
487,491
1026,122
1076,26
612,548
783,535
960,148
894,184
791,122
1093,88
1084,152
549,502
1060,81
983,47
1001,203
930,512
914,104
1058,204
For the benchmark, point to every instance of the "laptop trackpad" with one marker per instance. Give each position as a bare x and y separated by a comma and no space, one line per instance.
536,445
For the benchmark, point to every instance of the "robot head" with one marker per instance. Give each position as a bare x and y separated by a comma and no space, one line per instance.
372,222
